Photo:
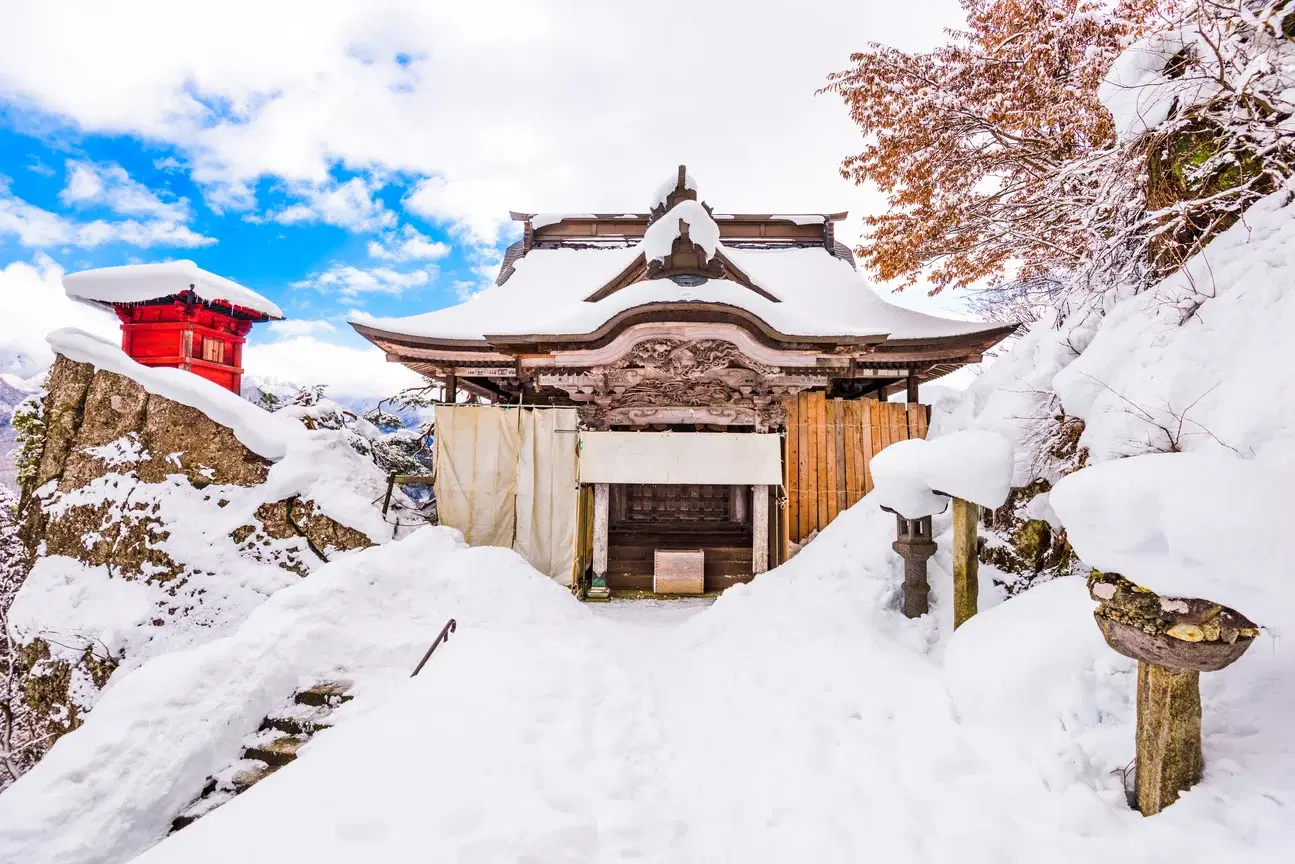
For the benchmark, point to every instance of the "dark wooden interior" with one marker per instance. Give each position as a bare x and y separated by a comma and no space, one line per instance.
647,517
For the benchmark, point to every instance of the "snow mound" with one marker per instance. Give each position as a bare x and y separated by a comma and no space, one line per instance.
1186,525
159,732
916,477
663,191
135,283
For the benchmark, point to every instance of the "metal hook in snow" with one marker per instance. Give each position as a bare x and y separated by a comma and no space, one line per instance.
450,627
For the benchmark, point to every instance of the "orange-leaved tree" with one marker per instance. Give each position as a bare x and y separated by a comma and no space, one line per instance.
978,144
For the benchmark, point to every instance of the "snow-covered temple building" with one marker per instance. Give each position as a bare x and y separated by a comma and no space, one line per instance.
684,320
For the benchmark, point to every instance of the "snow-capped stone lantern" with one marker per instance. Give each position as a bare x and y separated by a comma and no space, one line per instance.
913,543
1174,640
177,315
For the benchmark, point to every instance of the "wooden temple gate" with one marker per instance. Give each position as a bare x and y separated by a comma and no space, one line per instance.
830,444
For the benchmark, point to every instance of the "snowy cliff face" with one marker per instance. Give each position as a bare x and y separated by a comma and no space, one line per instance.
151,527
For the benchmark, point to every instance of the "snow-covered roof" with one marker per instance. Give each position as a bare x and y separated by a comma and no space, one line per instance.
819,294
136,283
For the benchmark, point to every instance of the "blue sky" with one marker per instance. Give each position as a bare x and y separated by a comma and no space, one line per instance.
272,257
338,156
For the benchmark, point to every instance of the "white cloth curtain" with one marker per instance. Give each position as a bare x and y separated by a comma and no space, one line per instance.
476,471
548,492
507,477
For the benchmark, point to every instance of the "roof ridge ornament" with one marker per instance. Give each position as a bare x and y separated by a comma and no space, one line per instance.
685,189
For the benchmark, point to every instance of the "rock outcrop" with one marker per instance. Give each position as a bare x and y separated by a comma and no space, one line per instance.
134,487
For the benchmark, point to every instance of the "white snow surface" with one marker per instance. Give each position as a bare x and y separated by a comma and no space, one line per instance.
1187,525
916,477
133,283
798,718
819,295
661,234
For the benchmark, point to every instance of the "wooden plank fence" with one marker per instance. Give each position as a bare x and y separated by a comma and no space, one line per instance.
830,444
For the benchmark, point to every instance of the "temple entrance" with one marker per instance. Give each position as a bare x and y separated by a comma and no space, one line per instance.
645,517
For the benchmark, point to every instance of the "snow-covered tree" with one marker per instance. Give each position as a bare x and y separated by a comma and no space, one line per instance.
17,744
975,143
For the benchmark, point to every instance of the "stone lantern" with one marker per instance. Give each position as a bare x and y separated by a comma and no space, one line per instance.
1174,640
913,543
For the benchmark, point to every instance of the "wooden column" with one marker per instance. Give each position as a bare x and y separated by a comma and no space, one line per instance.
599,590
737,499
966,564
451,389
883,392
760,529
912,383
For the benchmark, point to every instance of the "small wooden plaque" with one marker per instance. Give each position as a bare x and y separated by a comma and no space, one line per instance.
678,571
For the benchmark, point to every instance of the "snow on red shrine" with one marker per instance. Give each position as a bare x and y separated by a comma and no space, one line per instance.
178,315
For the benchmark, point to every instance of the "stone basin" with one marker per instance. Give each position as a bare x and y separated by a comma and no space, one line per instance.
1168,651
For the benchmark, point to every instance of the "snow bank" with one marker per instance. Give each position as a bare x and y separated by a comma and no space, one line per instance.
1197,359
134,283
917,477
108,790
1205,525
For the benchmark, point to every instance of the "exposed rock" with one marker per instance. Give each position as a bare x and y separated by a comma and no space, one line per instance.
105,462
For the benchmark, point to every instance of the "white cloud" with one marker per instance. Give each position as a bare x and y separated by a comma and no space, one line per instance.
34,304
109,185
36,228
407,244
350,205
350,372
293,327
510,104
349,282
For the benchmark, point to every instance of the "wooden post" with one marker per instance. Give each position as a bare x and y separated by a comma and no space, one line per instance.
760,529
737,501
912,390
1169,759
451,389
883,392
966,565
599,590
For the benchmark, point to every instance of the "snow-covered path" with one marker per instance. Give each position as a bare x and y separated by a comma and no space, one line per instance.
800,718
671,735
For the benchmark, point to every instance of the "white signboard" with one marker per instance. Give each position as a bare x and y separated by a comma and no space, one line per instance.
719,458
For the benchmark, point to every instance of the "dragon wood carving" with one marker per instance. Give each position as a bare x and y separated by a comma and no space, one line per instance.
660,376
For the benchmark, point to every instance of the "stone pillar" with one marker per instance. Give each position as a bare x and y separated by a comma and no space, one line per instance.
966,564
599,590
1174,639
760,529
915,546
1169,735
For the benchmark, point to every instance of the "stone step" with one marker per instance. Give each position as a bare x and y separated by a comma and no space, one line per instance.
300,719
274,747
330,693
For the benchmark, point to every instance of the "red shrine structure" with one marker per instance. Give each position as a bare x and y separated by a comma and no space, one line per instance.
177,315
